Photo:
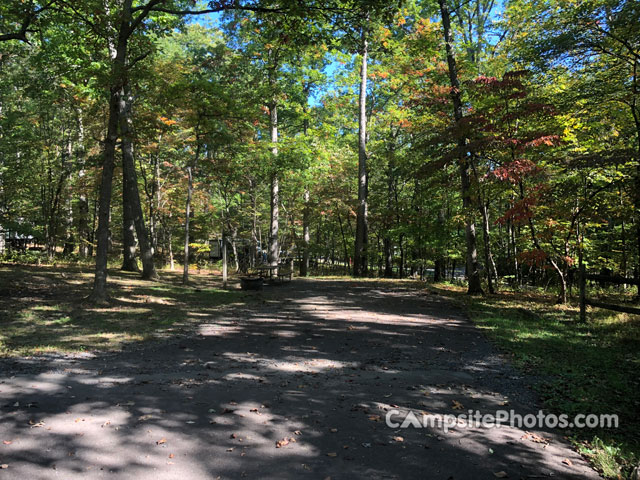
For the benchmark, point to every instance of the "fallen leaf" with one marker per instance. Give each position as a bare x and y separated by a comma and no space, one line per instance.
457,405
171,455
4,465
333,430
161,441
500,474
7,442
332,454
398,439
375,418
297,432
566,461
282,443
534,438
144,418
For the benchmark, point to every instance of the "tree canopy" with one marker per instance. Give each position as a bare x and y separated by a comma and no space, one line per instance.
496,141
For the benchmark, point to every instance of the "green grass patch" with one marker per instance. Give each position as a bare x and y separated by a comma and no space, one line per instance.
591,368
42,308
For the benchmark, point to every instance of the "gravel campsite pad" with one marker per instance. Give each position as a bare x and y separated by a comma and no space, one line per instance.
292,382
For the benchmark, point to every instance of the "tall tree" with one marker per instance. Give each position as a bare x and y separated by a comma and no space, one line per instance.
473,273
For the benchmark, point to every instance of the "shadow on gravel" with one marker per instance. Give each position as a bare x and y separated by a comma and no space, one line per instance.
313,364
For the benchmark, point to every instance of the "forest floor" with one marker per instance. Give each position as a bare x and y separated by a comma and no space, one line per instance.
290,382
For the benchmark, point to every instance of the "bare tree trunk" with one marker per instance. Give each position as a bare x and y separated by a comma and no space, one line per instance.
99,291
306,236
492,272
129,263
82,213
387,245
224,261
360,263
234,247
118,55
185,271
439,268
473,273
172,263
483,206
274,248
131,184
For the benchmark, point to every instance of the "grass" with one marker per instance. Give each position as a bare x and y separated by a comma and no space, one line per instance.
581,368
42,308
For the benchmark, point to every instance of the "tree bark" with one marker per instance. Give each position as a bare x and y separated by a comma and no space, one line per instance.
118,75
187,211
131,183
274,248
306,235
386,242
129,263
473,273
360,263
82,213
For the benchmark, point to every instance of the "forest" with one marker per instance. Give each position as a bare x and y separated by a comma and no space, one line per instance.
495,141
430,192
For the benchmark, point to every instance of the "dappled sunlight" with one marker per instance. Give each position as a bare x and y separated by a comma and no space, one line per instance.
271,384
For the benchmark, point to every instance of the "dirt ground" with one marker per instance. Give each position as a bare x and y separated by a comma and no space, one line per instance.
290,382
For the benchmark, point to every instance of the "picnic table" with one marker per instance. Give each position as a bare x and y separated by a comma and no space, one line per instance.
266,271
279,272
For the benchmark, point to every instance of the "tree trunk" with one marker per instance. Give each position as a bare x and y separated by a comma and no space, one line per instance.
439,268
83,226
172,263
473,273
483,206
306,235
274,248
387,244
185,271
129,263
360,255
131,183
488,258
234,247
82,213
99,291
118,53
69,244
225,267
